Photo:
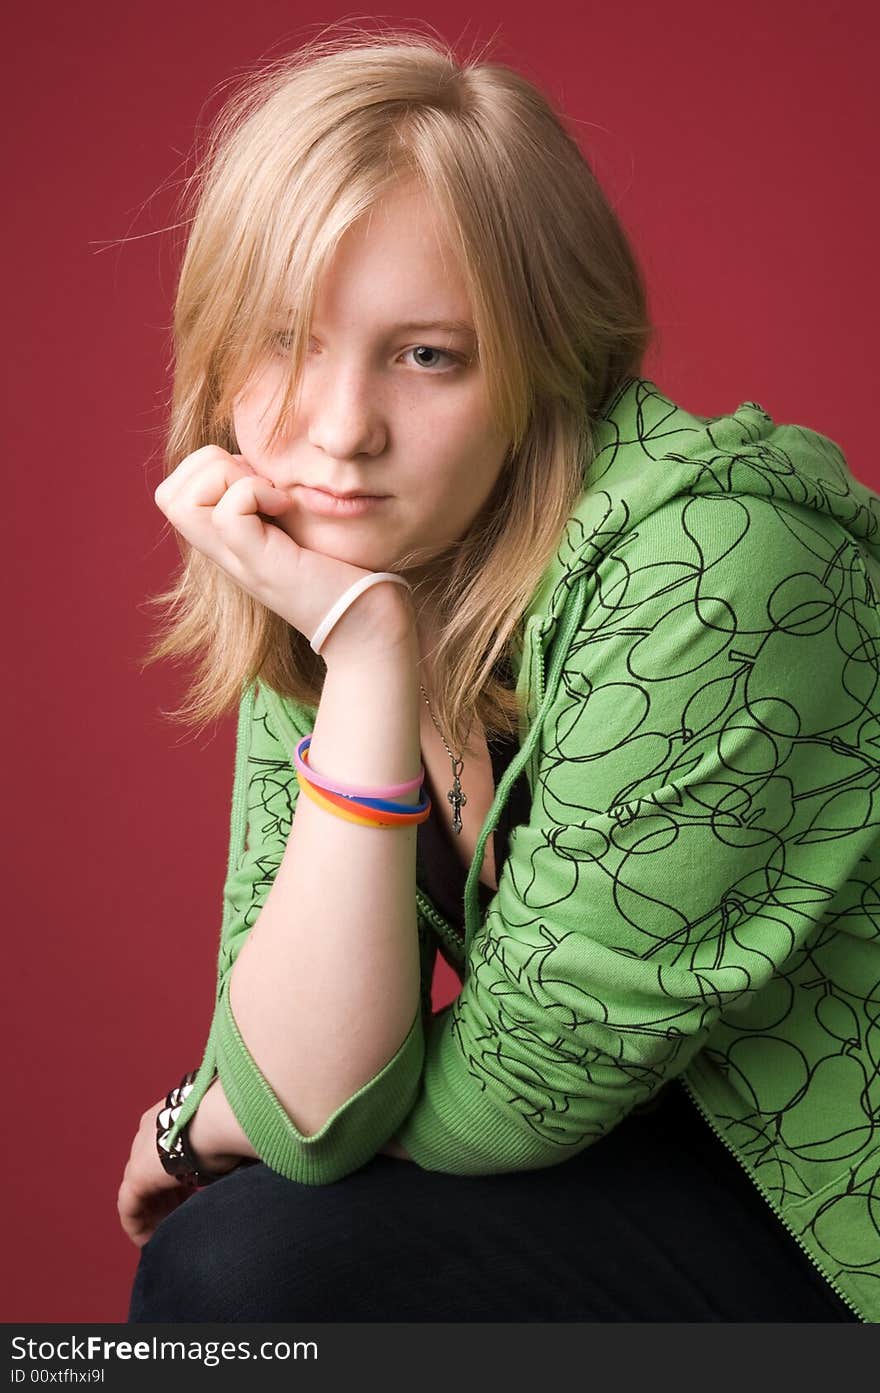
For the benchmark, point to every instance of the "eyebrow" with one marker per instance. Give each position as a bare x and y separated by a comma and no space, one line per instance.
453,326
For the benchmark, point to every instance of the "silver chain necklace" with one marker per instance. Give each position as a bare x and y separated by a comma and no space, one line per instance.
455,796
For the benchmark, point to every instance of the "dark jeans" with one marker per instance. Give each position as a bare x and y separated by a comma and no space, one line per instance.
656,1222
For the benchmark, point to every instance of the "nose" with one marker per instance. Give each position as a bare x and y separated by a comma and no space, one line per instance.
344,419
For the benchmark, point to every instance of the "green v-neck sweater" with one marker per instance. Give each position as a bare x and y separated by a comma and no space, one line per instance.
696,892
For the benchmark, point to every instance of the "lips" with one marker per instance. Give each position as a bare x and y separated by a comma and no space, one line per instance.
356,493
333,505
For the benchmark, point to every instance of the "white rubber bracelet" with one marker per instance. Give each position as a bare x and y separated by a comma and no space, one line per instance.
348,598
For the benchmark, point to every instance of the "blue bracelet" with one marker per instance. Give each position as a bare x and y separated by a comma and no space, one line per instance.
381,805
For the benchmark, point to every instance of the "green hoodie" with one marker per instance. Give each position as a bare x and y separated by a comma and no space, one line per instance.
696,893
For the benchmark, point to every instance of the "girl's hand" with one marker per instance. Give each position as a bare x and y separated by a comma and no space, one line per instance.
148,1193
215,500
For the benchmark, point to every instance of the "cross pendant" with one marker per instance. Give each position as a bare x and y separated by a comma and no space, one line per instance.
456,797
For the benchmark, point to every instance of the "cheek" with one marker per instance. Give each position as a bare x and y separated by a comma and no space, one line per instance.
467,479
450,499
241,427
250,420
244,416
250,443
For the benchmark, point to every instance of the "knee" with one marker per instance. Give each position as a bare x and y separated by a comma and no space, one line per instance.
253,1246
178,1273
257,1247
201,1262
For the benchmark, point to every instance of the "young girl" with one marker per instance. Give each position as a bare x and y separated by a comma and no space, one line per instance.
536,669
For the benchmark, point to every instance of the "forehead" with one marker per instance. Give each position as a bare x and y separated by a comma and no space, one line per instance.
397,261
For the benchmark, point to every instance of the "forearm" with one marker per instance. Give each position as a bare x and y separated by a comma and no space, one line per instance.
326,985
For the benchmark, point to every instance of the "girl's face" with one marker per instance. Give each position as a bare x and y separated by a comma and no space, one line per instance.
389,403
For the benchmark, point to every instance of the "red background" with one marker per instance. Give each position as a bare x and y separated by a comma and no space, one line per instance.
738,144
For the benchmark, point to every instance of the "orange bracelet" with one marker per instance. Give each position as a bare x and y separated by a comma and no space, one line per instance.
345,808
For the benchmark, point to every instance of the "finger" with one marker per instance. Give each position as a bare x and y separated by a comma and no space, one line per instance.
140,1183
212,460
255,554
188,466
250,495
205,486
137,1232
140,1210
191,508
237,518
132,1217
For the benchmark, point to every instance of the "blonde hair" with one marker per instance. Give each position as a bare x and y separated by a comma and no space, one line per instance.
307,145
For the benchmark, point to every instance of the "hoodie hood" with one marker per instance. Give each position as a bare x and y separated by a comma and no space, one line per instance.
648,449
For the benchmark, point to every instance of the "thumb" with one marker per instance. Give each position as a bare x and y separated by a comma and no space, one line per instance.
271,499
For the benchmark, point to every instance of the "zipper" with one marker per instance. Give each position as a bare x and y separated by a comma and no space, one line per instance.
760,1187
447,931
452,936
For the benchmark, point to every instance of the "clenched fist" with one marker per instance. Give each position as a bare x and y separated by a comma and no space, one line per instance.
217,501
147,1193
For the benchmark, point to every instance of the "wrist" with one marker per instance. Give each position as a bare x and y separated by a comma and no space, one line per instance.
214,1134
380,623
209,1160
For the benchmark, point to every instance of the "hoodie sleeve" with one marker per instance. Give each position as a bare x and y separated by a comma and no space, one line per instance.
263,802
703,785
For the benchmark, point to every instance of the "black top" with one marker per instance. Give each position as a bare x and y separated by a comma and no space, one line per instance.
440,871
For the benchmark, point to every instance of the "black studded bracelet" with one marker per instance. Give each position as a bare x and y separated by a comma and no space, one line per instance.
178,1158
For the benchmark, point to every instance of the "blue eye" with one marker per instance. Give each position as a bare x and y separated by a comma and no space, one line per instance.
444,353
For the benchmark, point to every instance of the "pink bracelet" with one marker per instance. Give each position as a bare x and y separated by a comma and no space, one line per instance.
334,786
